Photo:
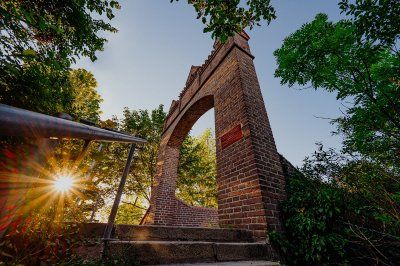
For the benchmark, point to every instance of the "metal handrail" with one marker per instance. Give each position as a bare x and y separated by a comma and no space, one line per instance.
23,123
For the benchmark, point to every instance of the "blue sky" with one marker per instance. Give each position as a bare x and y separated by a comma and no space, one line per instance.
147,62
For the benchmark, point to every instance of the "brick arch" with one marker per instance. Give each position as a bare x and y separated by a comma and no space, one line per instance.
249,171
189,118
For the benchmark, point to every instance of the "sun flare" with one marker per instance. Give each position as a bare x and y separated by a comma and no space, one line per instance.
63,183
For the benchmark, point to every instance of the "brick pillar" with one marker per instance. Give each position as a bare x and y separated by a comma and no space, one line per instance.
164,205
250,178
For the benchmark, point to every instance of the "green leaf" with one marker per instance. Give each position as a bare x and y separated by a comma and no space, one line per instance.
29,52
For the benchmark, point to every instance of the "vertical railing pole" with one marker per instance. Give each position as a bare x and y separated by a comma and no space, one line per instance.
113,214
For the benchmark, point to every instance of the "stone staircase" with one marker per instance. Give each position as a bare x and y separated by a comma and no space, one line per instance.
156,245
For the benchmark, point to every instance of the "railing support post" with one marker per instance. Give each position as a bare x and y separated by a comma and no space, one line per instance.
113,214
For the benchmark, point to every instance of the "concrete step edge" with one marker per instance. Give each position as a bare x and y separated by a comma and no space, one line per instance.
164,252
227,263
160,242
168,233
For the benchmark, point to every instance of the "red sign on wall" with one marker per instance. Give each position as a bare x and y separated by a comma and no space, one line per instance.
231,136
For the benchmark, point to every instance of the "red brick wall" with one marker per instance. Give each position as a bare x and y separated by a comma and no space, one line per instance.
249,171
186,215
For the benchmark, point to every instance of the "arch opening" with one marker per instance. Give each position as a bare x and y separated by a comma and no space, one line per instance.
196,183
176,211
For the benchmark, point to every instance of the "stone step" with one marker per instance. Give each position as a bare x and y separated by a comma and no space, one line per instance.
167,252
230,263
168,233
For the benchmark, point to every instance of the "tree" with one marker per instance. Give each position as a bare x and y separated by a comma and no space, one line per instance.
55,32
377,21
111,161
197,173
131,211
196,182
225,17
148,125
39,41
86,103
338,58
35,86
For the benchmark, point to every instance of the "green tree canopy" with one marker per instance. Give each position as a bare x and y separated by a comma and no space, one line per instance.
338,58
86,99
38,42
225,17
377,21
53,30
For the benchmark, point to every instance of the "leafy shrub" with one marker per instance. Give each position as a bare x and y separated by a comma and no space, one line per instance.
340,211
38,239
313,235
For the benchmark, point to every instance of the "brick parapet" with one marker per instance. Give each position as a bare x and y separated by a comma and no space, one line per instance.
195,216
197,79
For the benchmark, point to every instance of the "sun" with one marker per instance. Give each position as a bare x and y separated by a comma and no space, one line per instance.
63,183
